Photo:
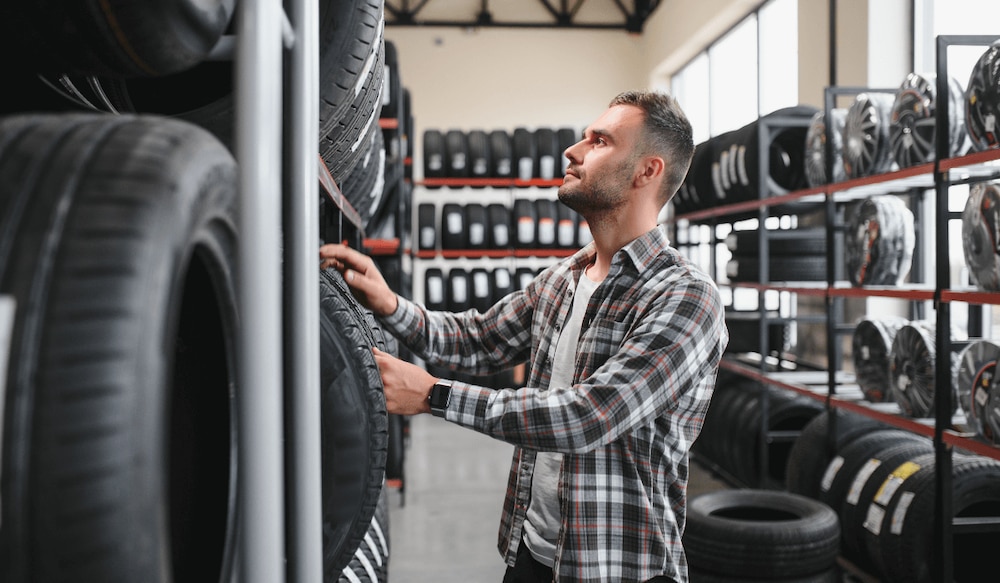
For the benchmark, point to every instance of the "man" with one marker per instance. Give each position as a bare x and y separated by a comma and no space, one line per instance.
624,340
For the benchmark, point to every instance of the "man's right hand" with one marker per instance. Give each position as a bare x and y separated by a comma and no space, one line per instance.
362,276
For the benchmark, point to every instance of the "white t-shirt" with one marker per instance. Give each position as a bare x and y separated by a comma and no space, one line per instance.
541,525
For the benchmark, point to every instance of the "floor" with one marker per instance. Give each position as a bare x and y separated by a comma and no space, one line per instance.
443,524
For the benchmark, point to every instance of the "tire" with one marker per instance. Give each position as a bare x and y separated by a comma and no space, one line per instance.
501,154
547,149
980,220
116,37
435,154
790,268
907,540
457,153
982,100
354,423
784,243
770,534
364,187
816,155
119,451
974,381
866,135
870,346
912,121
351,71
879,241
811,453
370,562
479,154
912,369
867,481
525,154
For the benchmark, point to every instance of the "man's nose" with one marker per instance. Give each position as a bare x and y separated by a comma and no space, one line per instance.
574,153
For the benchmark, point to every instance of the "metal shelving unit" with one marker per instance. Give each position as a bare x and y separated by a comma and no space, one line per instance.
944,429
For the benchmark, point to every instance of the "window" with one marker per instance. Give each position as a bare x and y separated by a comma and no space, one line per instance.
750,71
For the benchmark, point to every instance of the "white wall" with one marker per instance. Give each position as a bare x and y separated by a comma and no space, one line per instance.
502,78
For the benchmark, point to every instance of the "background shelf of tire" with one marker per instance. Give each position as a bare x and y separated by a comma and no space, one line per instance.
829,387
451,273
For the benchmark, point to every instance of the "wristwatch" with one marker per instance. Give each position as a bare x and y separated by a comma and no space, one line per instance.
440,397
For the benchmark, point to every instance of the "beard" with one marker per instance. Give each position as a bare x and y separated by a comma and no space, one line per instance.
603,191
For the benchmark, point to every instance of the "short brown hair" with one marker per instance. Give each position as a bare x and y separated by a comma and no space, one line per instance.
667,132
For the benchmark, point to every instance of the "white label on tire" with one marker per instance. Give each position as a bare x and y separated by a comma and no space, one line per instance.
741,166
525,168
458,161
427,237
501,235
547,167
454,223
565,233
477,234
435,162
873,520
503,278
899,516
854,494
894,481
481,284
831,473
503,167
7,312
479,167
435,290
546,231
459,290
525,230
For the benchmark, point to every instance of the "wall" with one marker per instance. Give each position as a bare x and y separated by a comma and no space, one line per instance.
501,78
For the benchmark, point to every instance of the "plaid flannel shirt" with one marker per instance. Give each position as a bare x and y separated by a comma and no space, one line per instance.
648,354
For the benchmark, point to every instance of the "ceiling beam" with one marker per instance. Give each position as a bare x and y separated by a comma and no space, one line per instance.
563,15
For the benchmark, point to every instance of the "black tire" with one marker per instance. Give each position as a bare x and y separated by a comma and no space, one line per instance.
744,332
829,576
456,145
811,453
115,37
912,369
118,243
525,154
816,166
435,154
843,467
980,220
912,122
370,562
879,241
908,544
982,100
870,346
364,187
501,155
868,479
974,381
547,149
479,154
354,423
769,534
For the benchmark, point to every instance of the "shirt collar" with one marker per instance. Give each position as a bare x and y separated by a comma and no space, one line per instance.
641,251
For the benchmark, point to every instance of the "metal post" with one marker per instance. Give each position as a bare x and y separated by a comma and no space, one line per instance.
258,150
305,528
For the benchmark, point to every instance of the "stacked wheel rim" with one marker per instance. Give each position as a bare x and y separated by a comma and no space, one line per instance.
816,154
912,367
974,386
982,100
870,346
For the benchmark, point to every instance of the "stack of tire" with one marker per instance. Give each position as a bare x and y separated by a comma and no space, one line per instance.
733,433
977,388
881,483
522,154
727,168
793,255
118,307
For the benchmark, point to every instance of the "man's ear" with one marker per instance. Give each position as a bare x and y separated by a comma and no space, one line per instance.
652,169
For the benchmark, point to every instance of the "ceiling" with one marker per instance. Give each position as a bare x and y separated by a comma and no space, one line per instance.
626,15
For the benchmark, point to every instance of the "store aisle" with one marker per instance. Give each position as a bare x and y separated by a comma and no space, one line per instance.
446,530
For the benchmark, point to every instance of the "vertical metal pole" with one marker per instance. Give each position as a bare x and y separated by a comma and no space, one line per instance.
258,150
302,329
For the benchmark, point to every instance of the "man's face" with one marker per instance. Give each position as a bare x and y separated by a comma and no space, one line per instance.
602,165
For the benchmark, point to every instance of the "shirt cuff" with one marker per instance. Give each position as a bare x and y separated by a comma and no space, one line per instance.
467,405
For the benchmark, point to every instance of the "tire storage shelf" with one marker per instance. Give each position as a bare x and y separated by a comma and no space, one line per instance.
946,429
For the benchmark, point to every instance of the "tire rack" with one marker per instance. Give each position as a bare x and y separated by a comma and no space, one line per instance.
277,46
939,176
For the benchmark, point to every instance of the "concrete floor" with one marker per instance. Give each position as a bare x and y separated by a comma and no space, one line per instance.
443,524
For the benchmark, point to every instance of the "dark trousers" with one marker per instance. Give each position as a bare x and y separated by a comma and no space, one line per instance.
527,570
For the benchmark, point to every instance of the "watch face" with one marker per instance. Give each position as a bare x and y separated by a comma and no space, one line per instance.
440,396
